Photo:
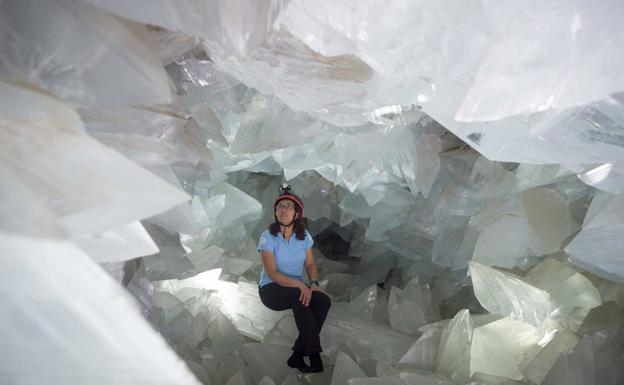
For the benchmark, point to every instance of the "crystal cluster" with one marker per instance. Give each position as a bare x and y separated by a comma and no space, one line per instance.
461,166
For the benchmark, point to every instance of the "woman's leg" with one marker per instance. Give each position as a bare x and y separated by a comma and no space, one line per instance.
279,298
320,304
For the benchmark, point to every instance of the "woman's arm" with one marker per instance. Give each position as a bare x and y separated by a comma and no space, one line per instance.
310,266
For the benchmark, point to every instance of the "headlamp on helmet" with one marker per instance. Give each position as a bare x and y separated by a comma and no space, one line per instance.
286,193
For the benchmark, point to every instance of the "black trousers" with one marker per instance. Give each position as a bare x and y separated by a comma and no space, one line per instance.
309,319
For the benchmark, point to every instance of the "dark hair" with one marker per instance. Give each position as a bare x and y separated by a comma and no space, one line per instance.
299,227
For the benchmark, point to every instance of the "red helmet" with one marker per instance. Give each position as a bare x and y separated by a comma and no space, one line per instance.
286,193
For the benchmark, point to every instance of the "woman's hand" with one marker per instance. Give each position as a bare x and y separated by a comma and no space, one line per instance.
317,288
306,294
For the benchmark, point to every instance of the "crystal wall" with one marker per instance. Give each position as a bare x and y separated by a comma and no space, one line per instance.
461,165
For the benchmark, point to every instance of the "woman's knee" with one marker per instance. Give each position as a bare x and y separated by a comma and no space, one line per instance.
321,299
268,301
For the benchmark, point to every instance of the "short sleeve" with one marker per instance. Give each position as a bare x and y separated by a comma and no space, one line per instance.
308,241
266,242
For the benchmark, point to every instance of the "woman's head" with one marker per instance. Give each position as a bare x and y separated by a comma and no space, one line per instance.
288,212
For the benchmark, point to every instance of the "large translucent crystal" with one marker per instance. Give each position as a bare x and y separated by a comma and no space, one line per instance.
257,357
368,303
503,242
52,311
354,61
240,303
550,290
80,53
224,206
571,28
509,295
453,359
575,367
597,246
554,343
572,294
575,137
152,136
344,369
128,242
410,308
425,350
232,27
504,348
549,216
172,261
512,230
89,187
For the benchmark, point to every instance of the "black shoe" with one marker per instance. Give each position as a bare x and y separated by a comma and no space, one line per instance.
296,361
316,364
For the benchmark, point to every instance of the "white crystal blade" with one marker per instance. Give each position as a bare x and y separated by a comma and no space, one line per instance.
505,294
58,317
80,53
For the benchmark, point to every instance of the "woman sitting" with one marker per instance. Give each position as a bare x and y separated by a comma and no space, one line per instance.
285,249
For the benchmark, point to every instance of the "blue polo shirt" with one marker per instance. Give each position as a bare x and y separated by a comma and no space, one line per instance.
289,256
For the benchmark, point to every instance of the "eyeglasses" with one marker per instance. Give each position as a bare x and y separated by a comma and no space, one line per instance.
286,206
